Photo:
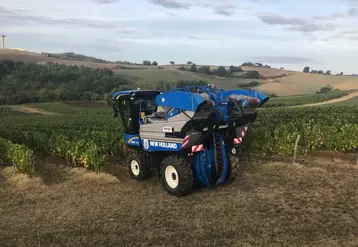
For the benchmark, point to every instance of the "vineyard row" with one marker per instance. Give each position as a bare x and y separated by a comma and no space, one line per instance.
86,140
307,99
20,156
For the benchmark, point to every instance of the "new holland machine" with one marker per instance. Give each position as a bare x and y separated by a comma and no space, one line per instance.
186,135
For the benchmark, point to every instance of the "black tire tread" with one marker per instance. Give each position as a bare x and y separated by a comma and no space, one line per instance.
137,155
185,175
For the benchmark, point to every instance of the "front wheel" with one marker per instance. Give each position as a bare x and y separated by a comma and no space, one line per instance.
137,167
176,175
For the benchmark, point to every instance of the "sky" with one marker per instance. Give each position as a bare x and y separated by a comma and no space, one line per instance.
322,34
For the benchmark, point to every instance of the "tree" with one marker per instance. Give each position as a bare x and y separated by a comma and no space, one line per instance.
306,69
189,63
155,63
233,69
252,74
193,68
320,72
172,63
221,71
341,73
146,62
313,71
205,70
325,89
328,72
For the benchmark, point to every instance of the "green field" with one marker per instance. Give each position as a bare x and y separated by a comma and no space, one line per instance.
76,187
306,99
72,108
145,77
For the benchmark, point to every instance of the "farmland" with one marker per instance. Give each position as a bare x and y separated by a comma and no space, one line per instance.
68,185
290,82
268,204
282,203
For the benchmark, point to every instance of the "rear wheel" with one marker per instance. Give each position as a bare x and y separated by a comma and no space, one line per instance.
176,175
137,167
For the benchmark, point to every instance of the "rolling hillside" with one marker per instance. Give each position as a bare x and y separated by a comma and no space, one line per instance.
288,82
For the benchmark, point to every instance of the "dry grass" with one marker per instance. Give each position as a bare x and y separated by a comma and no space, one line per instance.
279,89
269,204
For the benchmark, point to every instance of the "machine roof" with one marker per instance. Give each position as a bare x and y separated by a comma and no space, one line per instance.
128,92
181,100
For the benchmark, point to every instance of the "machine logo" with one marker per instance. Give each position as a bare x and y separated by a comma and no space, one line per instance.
145,144
170,145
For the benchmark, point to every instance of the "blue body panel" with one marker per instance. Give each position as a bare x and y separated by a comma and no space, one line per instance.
181,100
132,140
155,145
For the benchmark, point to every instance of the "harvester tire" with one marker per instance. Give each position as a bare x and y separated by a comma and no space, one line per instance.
176,175
137,167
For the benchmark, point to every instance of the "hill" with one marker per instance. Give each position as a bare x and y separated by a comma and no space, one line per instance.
277,81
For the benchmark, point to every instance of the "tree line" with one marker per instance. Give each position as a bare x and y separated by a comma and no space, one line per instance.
222,72
74,57
307,69
22,82
25,82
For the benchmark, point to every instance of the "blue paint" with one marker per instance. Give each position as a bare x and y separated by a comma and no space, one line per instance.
132,140
224,175
181,100
197,171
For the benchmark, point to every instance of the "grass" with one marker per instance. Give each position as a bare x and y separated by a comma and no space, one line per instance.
148,76
269,204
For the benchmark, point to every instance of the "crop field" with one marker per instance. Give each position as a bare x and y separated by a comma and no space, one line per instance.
307,99
68,185
146,77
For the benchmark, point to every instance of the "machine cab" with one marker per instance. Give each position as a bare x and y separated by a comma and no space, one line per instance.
130,104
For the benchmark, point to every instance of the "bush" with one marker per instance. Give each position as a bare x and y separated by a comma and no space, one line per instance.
251,84
19,156
326,89
252,74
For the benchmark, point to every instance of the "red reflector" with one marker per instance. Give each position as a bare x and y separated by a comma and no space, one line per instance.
197,148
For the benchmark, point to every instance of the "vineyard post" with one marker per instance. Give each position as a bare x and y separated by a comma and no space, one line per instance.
295,149
357,161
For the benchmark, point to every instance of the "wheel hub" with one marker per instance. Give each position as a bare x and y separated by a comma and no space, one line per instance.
171,177
135,167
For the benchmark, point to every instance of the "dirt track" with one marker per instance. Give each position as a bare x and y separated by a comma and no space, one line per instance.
28,109
268,204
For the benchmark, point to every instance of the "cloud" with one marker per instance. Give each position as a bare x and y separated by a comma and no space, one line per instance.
280,20
283,59
105,1
295,24
225,10
13,18
351,13
170,4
